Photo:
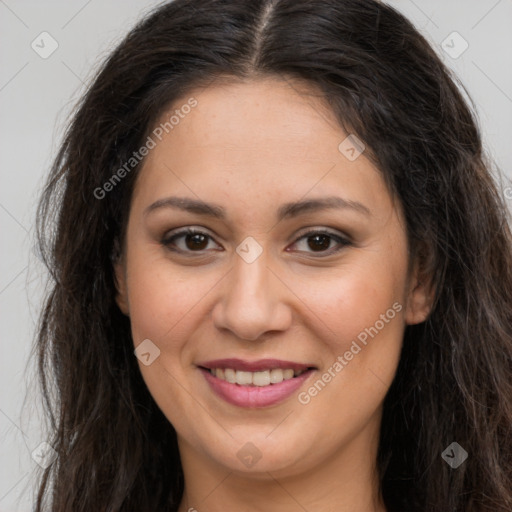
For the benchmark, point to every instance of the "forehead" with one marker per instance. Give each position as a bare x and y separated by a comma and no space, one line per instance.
264,114
274,137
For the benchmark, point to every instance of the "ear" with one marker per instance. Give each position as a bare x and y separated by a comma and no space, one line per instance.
420,297
120,281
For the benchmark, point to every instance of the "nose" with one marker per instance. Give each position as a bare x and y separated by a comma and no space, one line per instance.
253,300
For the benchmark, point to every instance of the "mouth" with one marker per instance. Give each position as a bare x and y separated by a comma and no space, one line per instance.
261,378
255,384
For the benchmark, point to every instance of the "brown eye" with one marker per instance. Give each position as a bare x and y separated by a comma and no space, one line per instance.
196,241
319,242
187,240
322,242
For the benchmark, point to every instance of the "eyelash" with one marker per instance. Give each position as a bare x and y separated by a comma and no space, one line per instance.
343,242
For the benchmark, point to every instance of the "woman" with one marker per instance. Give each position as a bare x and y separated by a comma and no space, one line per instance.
282,273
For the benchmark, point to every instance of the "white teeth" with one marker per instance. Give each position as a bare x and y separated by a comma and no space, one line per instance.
276,376
243,378
287,374
230,375
263,378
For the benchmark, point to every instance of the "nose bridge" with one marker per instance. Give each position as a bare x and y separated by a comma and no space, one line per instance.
251,304
251,280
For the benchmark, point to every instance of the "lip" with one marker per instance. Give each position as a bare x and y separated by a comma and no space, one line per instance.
254,397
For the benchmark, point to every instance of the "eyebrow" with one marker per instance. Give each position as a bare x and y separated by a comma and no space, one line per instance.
287,210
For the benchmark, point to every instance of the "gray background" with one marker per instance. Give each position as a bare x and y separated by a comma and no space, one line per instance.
36,97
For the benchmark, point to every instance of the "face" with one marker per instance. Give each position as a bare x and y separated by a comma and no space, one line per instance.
275,325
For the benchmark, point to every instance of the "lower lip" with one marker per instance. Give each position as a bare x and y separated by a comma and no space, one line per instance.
255,396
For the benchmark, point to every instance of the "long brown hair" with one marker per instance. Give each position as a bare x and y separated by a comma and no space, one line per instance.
115,449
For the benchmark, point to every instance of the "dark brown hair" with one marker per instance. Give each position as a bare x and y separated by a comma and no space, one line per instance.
379,76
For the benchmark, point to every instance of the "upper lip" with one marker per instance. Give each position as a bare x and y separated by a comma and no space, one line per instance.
254,366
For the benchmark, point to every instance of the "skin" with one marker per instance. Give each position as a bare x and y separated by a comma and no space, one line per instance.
250,147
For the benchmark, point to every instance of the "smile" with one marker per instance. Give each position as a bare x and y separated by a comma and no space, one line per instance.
254,384
264,378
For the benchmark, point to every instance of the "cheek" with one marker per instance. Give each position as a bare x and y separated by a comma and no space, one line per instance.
352,298
163,298
164,306
359,319
358,314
